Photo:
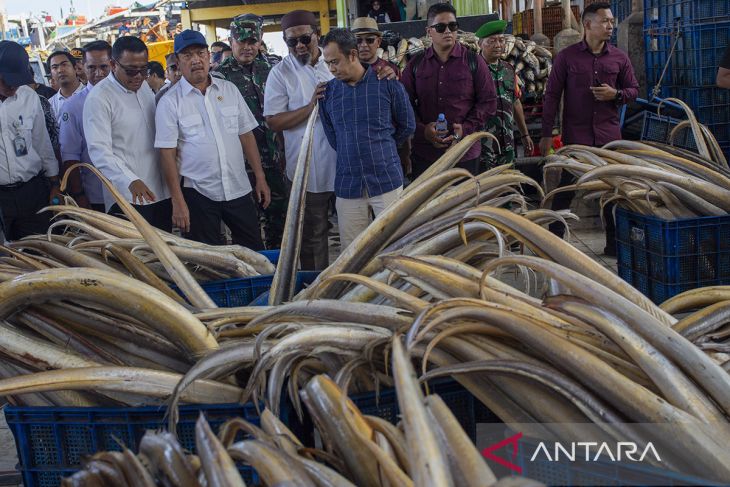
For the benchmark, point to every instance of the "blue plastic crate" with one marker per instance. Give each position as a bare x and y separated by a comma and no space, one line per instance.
594,473
667,13
51,442
657,128
272,255
466,408
663,258
228,293
698,53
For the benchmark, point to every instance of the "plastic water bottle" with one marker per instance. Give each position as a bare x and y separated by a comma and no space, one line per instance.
441,124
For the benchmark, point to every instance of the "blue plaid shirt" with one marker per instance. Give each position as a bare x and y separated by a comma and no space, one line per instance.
365,124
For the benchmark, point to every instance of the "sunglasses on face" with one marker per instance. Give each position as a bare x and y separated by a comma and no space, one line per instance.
369,40
305,40
441,27
132,72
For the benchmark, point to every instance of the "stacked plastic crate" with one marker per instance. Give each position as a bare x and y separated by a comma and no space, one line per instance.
689,37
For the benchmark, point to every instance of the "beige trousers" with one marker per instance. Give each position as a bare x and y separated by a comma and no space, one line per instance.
353,216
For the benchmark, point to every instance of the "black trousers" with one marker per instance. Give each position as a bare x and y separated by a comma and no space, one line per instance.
562,202
314,254
240,215
20,207
158,214
419,166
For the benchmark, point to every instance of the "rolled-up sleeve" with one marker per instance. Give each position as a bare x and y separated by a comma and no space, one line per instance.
42,141
485,104
276,98
246,120
403,116
166,124
98,130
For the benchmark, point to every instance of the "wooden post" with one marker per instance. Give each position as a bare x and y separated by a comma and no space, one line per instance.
324,16
538,16
567,14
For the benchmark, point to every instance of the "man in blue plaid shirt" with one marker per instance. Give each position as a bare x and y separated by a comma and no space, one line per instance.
365,120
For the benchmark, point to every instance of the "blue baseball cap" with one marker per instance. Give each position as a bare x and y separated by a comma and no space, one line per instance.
14,64
189,38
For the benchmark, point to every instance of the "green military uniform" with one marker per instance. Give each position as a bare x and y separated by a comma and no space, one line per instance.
501,125
251,81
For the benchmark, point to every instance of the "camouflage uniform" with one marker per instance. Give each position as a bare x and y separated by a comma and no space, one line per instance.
501,125
251,81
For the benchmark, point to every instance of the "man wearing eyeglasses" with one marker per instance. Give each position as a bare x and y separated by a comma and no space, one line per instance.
28,166
83,186
509,107
450,80
119,123
369,38
249,70
204,129
293,88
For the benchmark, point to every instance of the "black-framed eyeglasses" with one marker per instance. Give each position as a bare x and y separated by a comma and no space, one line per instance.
442,26
132,72
369,40
304,39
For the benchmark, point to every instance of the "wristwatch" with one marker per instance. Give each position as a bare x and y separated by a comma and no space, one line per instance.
456,137
619,95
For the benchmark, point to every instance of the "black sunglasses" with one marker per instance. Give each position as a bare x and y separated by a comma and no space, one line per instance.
293,41
132,72
441,27
369,40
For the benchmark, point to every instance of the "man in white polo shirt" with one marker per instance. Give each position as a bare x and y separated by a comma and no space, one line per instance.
119,123
204,129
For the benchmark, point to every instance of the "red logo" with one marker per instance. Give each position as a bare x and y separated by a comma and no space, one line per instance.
514,441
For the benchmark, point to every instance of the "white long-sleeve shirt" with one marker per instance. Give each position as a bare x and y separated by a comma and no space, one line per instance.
21,115
120,134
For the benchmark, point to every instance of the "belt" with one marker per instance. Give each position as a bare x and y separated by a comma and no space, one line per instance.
8,187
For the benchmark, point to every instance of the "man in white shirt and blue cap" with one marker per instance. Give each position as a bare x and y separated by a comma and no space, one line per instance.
205,135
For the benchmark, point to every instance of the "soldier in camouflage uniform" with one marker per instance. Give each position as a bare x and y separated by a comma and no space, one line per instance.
509,106
248,70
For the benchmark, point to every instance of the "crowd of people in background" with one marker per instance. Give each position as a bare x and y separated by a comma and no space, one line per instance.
212,138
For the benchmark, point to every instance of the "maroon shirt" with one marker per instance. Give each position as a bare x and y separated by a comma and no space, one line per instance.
587,121
449,88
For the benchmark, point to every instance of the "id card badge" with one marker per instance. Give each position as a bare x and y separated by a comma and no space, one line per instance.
21,147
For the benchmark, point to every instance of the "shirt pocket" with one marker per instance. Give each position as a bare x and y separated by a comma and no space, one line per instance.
230,119
458,87
191,127
609,74
582,77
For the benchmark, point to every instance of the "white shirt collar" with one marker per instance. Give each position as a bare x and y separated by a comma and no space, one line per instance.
186,87
118,84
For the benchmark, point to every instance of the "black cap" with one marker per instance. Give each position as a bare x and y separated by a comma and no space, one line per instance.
14,64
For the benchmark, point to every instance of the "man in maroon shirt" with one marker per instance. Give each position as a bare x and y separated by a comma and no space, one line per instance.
448,79
595,78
